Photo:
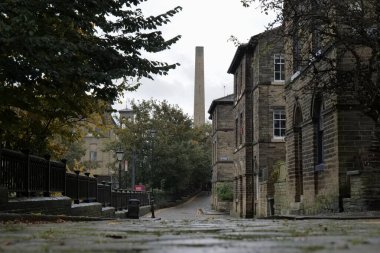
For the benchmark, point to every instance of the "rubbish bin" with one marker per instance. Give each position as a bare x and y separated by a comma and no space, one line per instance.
133,208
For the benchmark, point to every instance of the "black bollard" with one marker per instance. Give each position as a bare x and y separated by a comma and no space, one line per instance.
152,207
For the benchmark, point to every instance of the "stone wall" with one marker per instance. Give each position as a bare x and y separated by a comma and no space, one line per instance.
41,205
364,191
355,134
262,207
318,190
223,145
347,132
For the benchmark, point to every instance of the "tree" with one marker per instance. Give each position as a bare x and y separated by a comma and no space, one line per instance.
74,153
177,157
58,59
337,43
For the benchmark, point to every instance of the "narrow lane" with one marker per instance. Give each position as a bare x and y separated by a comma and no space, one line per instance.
196,208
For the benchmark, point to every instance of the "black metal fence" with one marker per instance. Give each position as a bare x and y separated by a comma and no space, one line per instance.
29,175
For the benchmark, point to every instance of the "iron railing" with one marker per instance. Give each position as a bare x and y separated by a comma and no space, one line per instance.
29,175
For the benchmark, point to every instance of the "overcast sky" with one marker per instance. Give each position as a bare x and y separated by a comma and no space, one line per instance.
207,23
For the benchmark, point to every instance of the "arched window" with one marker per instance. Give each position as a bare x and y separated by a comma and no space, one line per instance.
298,156
320,129
319,132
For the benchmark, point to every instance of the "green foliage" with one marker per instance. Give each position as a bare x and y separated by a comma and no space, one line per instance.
276,175
58,59
177,158
224,191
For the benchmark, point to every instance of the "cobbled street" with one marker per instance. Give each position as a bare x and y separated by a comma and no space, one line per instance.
192,228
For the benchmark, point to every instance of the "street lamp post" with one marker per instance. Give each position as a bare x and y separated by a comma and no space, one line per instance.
119,157
133,176
152,133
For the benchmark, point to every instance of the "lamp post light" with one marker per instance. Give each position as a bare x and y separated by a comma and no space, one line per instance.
119,157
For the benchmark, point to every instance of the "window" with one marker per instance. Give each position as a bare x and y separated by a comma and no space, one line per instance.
236,133
241,79
93,155
241,128
279,124
215,152
320,129
214,119
279,67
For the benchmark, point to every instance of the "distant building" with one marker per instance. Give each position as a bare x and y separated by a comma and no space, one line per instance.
221,114
126,114
259,115
98,160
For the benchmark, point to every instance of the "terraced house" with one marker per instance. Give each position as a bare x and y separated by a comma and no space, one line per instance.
259,116
222,151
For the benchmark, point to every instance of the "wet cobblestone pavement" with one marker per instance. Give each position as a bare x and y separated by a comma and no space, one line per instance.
186,230
202,235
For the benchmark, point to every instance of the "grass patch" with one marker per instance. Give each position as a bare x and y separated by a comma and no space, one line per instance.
13,227
312,248
358,241
50,234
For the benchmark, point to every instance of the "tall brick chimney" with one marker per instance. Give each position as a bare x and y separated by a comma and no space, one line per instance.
199,88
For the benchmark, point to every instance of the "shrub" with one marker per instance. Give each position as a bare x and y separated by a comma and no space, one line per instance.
224,191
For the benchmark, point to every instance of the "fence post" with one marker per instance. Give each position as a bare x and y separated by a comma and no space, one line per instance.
64,161
1,165
28,179
121,199
104,194
118,199
47,176
110,187
76,201
88,187
97,189
125,199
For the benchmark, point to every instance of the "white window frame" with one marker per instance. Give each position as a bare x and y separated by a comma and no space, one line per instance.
281,63
280,119
93,155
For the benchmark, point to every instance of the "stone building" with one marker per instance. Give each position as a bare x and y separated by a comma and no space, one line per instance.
332,157
221,115
259,115
98,160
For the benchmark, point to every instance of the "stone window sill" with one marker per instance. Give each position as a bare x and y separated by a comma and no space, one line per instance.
278,82
319,167
279,139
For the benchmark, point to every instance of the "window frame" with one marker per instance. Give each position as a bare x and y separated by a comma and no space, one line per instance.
281,64
93,155
280,112
320,136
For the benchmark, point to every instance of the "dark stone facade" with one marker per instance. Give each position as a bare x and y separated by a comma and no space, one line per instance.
332,148
221,115
257,97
